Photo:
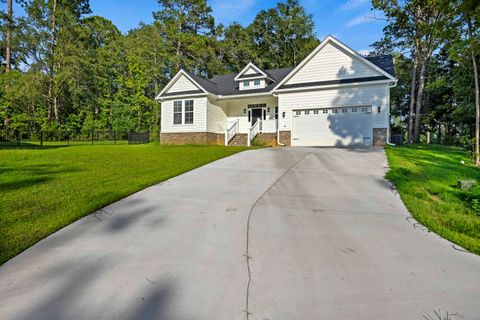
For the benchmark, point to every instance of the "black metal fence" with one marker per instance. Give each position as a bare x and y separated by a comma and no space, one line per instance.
46,138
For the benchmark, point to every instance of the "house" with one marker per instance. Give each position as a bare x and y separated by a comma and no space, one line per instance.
334,97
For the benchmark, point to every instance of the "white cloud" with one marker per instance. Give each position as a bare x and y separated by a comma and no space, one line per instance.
366,18
352,4
231,10
364,52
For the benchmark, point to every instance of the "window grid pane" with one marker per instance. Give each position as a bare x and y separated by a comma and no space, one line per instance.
177,112
188,111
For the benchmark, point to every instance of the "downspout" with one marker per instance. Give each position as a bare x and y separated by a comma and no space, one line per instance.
389,135
278,126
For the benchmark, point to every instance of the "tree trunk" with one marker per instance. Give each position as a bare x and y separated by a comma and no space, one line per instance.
412,93
8,50
477,96
418,109
52,101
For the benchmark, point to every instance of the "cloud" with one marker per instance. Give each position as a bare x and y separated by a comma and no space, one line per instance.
352,4
228,11
366,18
364,52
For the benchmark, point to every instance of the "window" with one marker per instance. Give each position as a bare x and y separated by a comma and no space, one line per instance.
334,110
256,82
315,111
379,109
297,112
264,114
325,110
307,111
276,112
177,112
188,111
364,109
354,109
344,110
246,83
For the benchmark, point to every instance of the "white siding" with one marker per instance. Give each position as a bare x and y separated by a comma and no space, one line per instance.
216,117
182,84
199,116
250,71
332,63
374,95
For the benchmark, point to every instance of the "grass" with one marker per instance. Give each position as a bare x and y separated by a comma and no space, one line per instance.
42,190
426,178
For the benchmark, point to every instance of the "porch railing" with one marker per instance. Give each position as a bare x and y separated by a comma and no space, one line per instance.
231,131
253,131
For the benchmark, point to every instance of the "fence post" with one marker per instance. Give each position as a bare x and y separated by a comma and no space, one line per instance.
92,137
41,138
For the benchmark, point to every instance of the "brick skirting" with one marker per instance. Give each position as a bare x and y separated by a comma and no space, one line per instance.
285,137
179,138
266,139
379,136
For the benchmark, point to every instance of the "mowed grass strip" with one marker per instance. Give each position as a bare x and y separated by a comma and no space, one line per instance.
426,178
42,190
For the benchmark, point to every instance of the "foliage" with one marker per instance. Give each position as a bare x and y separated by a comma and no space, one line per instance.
40,192
77,71
426,179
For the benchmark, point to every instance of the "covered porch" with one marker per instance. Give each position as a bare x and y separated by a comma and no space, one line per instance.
247,117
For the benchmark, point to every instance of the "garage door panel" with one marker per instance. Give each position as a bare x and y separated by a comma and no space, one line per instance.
346,126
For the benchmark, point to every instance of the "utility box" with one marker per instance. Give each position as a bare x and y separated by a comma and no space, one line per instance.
466,185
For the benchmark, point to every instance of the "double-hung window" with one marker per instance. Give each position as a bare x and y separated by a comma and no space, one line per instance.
188,111
177,112
183,112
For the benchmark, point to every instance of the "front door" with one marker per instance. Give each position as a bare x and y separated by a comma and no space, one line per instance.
256,115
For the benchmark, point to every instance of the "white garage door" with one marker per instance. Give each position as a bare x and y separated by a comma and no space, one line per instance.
332,127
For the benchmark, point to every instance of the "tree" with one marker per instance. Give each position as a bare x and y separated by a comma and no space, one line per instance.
420,26
466,46
283,36
188,29
8,49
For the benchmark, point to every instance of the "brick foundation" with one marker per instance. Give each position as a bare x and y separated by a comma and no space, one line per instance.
266,139
285,137
179,138
379,136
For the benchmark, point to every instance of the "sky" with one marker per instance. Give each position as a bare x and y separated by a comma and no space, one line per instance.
351,21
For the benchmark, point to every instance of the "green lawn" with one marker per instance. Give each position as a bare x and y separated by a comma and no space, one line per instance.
426,178
42,190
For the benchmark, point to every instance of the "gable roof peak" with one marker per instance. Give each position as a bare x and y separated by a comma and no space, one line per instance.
258,72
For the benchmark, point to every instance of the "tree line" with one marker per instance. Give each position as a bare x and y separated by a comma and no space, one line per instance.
436,45
64,68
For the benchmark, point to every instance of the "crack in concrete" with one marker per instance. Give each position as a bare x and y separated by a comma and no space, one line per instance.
247,254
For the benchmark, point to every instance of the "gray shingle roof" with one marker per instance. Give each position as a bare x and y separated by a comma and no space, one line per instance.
384,62
225,85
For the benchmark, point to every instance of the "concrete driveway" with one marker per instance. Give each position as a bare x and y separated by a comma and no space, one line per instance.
292,233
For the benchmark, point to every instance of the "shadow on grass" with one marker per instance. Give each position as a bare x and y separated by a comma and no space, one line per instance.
37,174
